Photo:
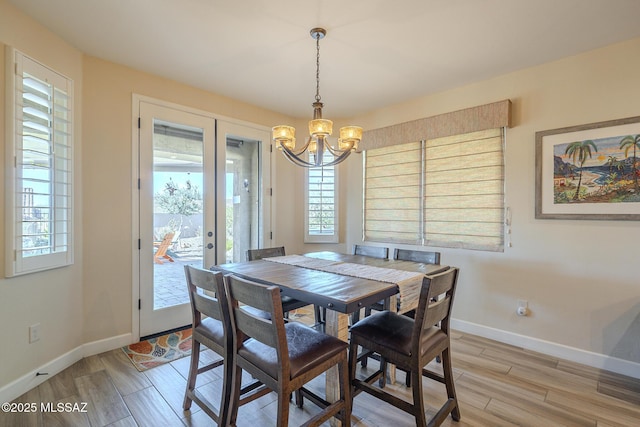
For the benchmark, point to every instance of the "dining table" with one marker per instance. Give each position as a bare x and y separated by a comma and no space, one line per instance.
341,283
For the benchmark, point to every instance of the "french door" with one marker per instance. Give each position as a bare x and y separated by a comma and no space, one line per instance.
247,195
177,210
204,199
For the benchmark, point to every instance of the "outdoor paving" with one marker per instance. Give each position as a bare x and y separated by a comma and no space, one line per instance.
169,282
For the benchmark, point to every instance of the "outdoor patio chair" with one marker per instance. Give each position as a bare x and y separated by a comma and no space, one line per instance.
163,246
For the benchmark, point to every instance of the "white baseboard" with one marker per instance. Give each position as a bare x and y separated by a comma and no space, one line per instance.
107,344
31,379
595,360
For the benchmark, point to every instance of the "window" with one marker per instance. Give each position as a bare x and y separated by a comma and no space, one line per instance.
321,216
39,193
444,192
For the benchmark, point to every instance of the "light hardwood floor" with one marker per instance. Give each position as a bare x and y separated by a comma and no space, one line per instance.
497,385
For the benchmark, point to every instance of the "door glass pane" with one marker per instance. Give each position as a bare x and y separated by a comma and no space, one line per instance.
177,209
243,198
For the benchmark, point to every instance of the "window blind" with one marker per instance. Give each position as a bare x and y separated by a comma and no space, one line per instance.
464,191
42,171
445,192
392,194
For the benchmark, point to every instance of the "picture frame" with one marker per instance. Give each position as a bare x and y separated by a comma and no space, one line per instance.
589,172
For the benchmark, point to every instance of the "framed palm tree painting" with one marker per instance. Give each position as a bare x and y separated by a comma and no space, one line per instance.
589,171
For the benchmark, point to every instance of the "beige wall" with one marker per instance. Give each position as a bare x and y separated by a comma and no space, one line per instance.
53,298
580,277
107,161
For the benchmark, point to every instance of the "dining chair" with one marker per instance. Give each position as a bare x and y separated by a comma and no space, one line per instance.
282,356
371,251
211,327
411,344
288,304
253,254
425,257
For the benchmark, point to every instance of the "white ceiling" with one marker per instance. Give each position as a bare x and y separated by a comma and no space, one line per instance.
376,52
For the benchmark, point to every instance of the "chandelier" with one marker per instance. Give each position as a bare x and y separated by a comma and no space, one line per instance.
319,131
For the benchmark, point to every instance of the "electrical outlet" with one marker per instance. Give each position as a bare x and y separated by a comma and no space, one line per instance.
523,308
34,333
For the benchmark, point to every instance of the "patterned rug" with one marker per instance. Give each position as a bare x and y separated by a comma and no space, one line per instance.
160,350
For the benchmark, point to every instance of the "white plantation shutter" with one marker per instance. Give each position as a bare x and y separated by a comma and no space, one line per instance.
41,192
445,192
321,216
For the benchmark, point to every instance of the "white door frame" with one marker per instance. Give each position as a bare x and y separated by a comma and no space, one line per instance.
229,125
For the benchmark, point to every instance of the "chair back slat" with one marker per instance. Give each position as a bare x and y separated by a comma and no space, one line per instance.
426,257
254,254
436,301
371,251
204,287
243,293
437,311
254,327
207,305
442,283
202,278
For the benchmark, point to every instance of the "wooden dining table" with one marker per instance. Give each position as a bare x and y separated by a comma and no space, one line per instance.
340,294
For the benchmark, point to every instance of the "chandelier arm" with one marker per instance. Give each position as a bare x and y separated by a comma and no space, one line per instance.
338,159
300,162
296,152
336,151
297,160
294,156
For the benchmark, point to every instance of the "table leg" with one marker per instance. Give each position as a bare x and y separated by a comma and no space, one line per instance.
337,324
391,368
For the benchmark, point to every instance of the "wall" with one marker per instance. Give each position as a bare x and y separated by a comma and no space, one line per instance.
107,160
580,277
52,298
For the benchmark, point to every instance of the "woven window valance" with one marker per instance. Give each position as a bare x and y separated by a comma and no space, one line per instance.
483,117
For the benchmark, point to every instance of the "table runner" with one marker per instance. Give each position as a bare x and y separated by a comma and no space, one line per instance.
409,282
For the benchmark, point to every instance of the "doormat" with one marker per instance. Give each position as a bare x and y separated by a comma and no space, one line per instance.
157,351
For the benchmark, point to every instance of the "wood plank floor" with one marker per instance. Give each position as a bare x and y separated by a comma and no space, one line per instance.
497,385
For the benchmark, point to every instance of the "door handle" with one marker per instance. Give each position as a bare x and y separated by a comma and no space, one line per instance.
210,246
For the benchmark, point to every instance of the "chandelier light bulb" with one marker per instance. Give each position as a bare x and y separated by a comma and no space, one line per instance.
313,146
320,127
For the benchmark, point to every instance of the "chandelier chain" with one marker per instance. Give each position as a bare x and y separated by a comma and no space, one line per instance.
318,98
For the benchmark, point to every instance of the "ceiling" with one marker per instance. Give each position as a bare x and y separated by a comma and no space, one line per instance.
376,52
